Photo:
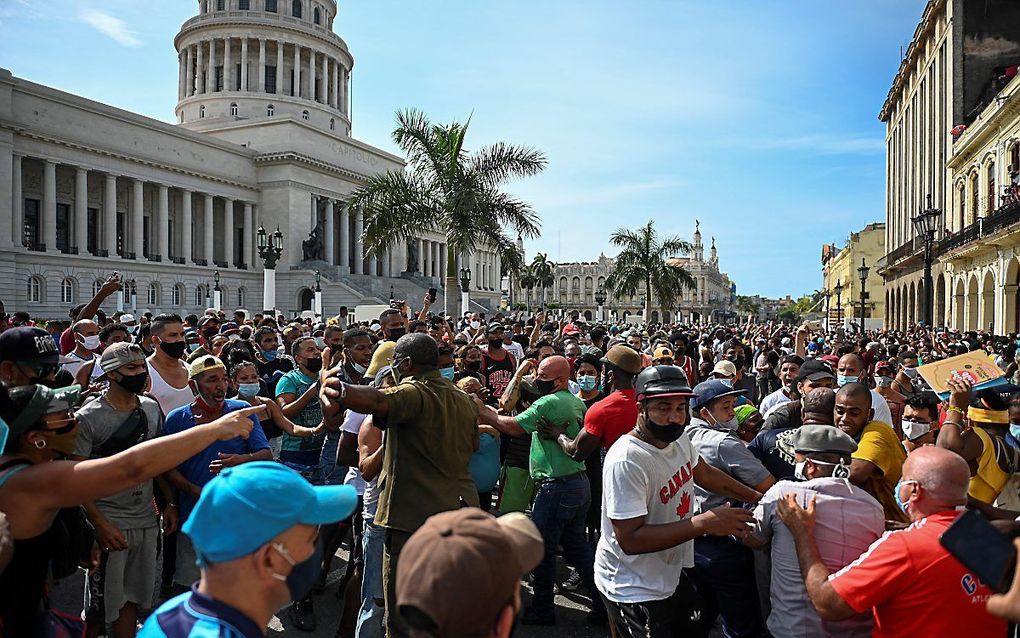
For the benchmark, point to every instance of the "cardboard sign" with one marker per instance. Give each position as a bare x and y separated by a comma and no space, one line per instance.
977,367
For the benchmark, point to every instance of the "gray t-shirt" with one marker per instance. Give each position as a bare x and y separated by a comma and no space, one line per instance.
847,521
132,508
723,450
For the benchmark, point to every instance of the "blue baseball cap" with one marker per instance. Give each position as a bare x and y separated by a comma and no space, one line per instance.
245,507
711,390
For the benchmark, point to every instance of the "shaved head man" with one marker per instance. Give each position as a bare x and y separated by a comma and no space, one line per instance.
851,369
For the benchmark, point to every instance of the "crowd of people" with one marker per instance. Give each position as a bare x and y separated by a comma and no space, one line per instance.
201,473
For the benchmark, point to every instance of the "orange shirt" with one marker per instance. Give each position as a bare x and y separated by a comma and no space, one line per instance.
914,587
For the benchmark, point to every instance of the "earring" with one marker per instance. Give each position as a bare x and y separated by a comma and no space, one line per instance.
39,443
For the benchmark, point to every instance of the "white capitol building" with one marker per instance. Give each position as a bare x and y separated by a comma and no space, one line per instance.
263,138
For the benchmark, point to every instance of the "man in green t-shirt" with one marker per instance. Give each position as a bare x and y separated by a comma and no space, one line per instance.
561,504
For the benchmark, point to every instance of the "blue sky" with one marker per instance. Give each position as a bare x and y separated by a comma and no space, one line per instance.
758,118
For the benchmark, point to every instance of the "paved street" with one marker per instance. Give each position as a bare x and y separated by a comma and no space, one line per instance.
572,610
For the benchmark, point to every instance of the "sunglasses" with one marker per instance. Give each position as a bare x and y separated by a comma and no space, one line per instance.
42,369
72,423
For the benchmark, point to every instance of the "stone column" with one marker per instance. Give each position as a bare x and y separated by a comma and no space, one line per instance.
497,267
244,64
442,264
359,244
262,65
163,223
344,79
49,206
200,69
186,240
311,74
81,210
137,202
208,231
336,84
249,253
329,241
420,245
387,263
279,67
17,204
296,92
324,93
189,73
228,232
180,76
373,266
210,78
228,68
426,256
110,216
345,236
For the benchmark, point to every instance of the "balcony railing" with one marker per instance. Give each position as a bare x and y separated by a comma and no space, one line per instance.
906,249
1007,215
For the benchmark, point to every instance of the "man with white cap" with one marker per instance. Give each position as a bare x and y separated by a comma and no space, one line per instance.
482,558
255,531
848,521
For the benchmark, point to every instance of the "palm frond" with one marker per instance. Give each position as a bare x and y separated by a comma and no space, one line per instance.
501,161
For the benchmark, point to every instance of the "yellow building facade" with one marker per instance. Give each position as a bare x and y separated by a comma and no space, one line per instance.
840,268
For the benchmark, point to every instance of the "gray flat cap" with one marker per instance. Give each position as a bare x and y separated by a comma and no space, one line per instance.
823,438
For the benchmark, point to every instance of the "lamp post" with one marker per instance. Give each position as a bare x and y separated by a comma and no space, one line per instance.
134,296
217,293
465,285
839,303
207,295
270,249
318,294
828,296
862,272
392,297
600,300
926,224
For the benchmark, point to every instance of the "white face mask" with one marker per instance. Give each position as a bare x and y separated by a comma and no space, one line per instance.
798,470
91,342
475,325
913,430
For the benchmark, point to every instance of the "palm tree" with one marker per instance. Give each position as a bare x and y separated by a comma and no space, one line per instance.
449,190
511,263
643,260
527,281
542,269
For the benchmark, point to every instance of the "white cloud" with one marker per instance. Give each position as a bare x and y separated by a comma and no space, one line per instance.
108,25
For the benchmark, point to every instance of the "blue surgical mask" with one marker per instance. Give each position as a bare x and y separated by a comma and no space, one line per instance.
270,354
447,373
1015,431
843,379
587,382
896,493
248,389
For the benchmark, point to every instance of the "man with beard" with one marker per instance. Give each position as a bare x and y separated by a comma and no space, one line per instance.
168,375
393,325
498,365
127,526
648,519
208,380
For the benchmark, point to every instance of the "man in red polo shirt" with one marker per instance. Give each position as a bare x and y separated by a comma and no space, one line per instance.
610,418
911,584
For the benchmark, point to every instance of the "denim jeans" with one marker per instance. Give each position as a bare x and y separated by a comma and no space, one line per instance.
559,513
370,617
332,473
723,576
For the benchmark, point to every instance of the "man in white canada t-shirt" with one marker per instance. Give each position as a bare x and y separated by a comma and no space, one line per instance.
647,512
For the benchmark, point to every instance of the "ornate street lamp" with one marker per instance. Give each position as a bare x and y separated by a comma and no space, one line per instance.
839,303
862,272
600,299
828,296
217,293
926,224
134,295
270,248
392,297
318,294
465,286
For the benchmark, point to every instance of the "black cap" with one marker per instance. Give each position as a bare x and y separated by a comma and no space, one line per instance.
28,343
661,381
814,370
494,326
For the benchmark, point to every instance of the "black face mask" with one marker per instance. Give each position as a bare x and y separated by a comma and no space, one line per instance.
738,362
314,364
209,334
496,343
396,333
173,349
665,433
545,386
134,383
473,366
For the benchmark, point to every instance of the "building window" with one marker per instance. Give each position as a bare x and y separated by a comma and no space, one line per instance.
63,224
963,206
296,8
991,187
218,80
332,124
244,5
241,294
201,111
233,110
93,231
317,16
219,5
304,115
975,198
176,294
199,296
97,285
31,235
270,79
270,110
271,6
153,297
35,287
66,291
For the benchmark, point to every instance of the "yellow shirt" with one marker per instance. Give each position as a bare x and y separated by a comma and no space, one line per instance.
990,478
879,445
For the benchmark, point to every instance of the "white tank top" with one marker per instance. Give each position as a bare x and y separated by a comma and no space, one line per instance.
168,397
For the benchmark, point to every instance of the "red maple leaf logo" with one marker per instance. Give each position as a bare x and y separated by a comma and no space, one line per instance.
685,505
